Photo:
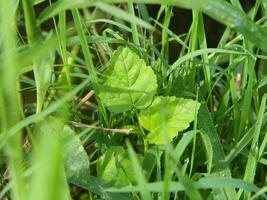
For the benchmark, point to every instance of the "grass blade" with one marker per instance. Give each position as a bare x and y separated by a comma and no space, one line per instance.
10,105
48,180
220,169
254,149
219,10
203,183
139,175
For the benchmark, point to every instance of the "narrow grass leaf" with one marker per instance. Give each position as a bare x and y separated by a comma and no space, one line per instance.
203,183
48,180
139,174
219,10
254,149
206,125
10,103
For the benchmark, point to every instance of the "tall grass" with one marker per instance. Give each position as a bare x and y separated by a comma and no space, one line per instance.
59,139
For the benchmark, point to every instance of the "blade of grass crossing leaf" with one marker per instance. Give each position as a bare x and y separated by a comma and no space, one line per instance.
167,161
182,144
189,187
9,99
139,175
170,166
88,59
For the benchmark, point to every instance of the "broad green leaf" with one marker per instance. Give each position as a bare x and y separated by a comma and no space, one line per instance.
77,168
219,168
128,82
75,157
115,167
167,115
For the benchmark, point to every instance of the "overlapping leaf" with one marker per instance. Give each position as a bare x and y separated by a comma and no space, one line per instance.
128,82
167,116
77,167
115,167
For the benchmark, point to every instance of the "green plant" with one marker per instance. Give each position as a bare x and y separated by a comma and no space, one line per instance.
130,84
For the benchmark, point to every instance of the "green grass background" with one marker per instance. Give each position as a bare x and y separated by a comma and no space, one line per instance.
49,147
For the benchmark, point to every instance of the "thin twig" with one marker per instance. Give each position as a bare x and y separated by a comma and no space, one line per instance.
86,98
124,131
